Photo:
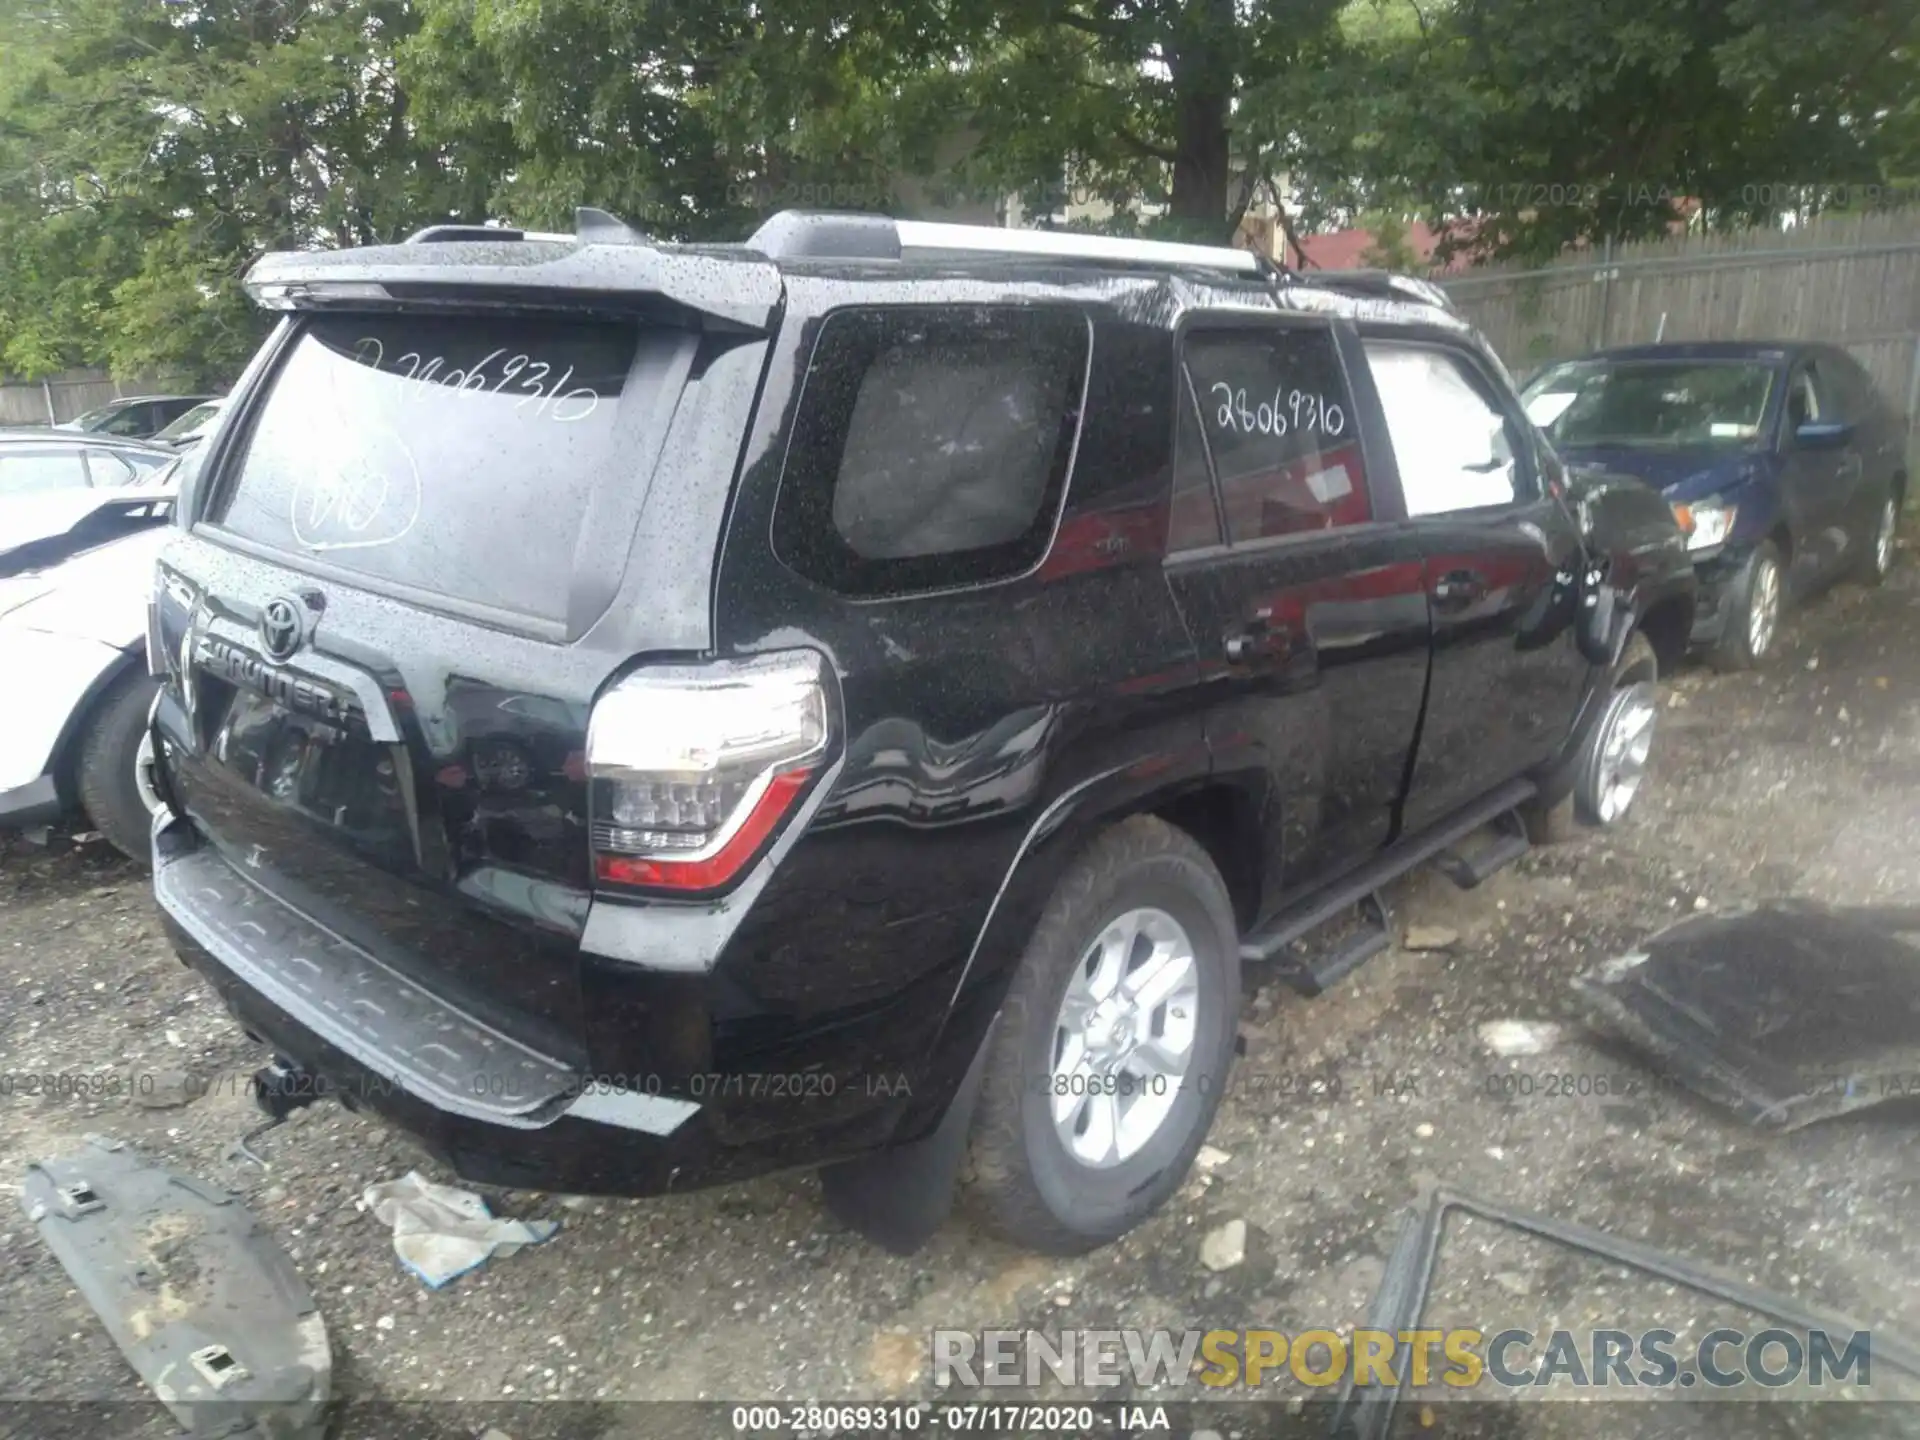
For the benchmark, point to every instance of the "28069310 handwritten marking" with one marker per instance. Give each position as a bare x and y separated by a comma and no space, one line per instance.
532,379
1301,410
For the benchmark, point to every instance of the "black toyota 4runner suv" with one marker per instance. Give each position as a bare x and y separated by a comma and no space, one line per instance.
642,716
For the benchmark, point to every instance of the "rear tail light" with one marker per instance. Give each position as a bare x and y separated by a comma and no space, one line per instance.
692,768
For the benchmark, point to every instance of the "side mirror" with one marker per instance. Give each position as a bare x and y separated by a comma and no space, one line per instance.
1822,435
1601,625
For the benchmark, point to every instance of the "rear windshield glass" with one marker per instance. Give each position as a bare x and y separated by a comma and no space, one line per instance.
454,454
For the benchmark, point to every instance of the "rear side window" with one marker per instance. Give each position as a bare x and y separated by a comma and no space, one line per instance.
930,447
1850,386
452,454
108,468
1279,428
36,472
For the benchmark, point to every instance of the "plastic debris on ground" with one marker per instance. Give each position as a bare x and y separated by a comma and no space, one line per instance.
440,1233
1787,1013
201,1300
1520,1037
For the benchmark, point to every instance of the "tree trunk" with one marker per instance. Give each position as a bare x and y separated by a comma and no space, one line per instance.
1201,66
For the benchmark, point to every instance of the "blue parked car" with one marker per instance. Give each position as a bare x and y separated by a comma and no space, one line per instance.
1781,461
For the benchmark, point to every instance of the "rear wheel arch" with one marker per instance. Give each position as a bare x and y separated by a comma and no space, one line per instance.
1222,817
1217,815
1668,626
1782,539
1225,821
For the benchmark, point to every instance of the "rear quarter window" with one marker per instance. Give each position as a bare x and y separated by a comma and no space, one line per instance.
457,455
930,446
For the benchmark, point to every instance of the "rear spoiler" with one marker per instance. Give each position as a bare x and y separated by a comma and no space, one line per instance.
603,266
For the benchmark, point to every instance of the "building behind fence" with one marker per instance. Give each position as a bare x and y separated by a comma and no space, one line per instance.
1850,279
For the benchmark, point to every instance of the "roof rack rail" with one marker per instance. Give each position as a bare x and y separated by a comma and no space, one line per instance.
796,234
438,234
1374,282
938,237
597,227
590,225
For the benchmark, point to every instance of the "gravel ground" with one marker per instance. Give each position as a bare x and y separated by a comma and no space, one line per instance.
1798,780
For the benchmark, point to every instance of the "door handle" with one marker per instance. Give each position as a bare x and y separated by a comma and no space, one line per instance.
1243,644
1459,588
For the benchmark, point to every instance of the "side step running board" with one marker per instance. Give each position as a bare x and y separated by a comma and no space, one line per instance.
1316,974
1469,871
1270,941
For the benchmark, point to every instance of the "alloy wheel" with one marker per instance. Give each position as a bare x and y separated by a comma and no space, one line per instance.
143,774
1619,755
1124,1037
1763,607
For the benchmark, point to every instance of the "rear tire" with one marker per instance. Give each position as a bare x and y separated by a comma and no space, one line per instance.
1877,559
1754,611
111,790
1026,1184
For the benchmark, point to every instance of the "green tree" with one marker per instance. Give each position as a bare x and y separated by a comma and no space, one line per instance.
693,119
150,152
684,118
1531,125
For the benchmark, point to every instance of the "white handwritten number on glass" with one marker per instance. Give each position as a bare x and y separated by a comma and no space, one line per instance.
1301,410
528,376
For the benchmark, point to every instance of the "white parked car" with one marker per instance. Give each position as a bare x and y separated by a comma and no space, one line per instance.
73,730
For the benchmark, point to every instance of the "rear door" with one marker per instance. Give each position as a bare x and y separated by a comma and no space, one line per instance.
1878,442
1507,677
1304,597
40,469
1819,484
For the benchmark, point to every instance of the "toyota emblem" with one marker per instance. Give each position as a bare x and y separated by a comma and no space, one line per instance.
283,626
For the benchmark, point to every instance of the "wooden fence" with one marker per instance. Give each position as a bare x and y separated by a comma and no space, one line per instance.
60,398
1850,279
